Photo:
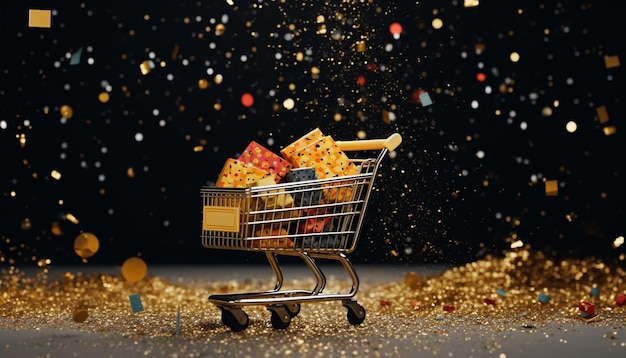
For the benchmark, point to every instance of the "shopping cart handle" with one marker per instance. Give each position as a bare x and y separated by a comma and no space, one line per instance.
391,143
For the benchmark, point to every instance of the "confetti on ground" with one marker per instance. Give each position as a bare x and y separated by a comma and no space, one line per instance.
135,303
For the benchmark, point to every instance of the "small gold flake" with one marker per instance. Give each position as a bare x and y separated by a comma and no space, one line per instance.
611,61
603,114
552,187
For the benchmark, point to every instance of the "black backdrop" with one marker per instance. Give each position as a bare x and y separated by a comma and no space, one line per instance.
467,180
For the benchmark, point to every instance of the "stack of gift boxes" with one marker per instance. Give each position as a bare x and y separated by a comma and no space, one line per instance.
313,156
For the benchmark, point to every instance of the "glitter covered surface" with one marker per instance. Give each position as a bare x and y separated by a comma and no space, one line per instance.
486,308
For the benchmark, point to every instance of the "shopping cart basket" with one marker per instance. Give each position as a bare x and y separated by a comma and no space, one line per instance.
317,219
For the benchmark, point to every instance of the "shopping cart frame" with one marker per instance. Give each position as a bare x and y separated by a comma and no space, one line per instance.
241,219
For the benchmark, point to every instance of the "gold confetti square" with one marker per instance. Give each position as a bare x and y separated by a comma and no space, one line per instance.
552,187
603,114
609,130
39,18
611,61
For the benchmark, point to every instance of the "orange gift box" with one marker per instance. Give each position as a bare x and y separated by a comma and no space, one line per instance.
282,242
262,158
326,157
238,174
311,137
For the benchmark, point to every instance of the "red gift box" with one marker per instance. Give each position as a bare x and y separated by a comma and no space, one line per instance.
264,159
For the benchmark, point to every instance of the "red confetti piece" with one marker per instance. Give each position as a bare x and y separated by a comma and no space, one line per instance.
385,303
490,301
416,304
587,307
448,308
620,299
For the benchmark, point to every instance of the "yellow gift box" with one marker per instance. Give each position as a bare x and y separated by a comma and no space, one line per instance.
273,198
238,174
275,243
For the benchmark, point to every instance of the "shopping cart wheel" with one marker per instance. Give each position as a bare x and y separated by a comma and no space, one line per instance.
293,309
356,312
235,318
281,315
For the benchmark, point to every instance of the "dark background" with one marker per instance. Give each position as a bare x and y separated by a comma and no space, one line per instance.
436,201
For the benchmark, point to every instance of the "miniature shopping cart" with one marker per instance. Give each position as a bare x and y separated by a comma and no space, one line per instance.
317,219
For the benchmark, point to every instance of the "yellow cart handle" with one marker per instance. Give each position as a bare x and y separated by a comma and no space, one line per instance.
391,143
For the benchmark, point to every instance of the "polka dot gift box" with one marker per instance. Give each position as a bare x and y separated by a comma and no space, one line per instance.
262,158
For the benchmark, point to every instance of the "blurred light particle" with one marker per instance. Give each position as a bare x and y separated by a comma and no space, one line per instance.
470,3
203,83
385,303
360,46
86,245
544,298
413,280
361,134
26,224
609,130
55,174
425,99
490,301
501,292
80,315
247,100
289,104
175,51
39,18
571,127
220,29
603,114
546,111
395,29
388,117
514,56
55,229
75,59
218,79
517,244
620,299
71,218
198,148
21,139
130,172
552,187
611,61
594,292
437,23
619,241
135,303
481,77
103,97
66,111
448,308
134,269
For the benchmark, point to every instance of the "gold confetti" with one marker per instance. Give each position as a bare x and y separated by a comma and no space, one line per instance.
134,269
39,18
66,111
603,114
552,187
86,245
611,61
80,315
609,130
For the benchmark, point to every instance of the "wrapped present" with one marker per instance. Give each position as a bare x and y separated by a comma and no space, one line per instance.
238,174
313,220
326,157
262,158
279,242
273,198
313,136
306,195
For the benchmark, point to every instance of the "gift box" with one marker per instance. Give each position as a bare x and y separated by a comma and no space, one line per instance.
311,137
305,195
282,242
272,199
238,174
262,158
326,157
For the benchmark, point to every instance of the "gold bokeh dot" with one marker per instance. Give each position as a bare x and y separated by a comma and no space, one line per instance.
134,269
103,97
66,111
203,83
86,245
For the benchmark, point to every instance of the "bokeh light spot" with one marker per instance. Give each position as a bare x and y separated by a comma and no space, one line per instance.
86,245
134,269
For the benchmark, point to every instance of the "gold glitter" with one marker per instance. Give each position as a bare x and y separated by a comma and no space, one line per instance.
603,114
611,61
66,111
